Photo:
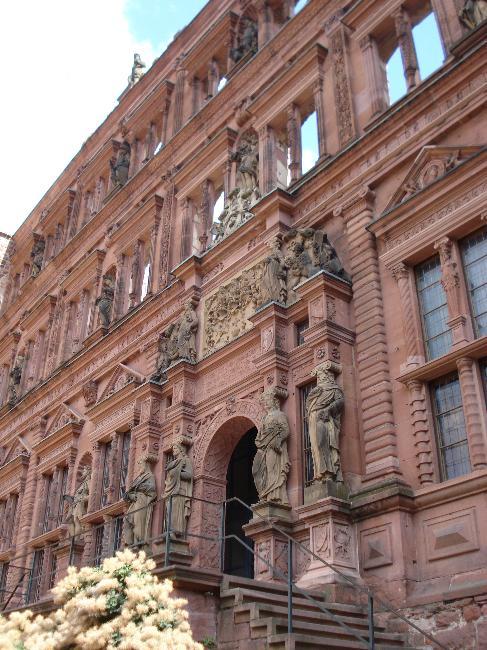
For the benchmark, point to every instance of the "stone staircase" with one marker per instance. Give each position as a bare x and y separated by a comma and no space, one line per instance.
253,615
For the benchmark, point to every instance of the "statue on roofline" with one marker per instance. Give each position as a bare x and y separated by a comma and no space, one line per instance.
137,70
473,13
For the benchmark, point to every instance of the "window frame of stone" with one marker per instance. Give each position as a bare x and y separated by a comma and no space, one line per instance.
4,568
464,442
36,574
105,478
467,277
424,312
124,448
98,543
46,509
300,327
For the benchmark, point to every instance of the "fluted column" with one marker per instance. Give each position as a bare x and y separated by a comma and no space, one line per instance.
473,399
380,447
95,478
166,233
29,502
186,230
119,298
414,356
178,118
375,71
267,159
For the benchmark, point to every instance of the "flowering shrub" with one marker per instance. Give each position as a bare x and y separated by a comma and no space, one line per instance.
117,606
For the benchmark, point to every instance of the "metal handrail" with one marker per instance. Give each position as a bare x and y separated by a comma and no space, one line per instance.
371,597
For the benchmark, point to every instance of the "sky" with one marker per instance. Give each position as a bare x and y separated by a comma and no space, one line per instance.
65,63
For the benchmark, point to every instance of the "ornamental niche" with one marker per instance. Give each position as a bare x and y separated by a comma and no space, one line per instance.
293,258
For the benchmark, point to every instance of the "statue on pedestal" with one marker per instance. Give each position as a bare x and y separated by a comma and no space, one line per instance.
247,41
78,504
37,257
120,168
473,13
274,275
178,341
140,496
271,462
15,379
324,406
105,300
137,70
179,487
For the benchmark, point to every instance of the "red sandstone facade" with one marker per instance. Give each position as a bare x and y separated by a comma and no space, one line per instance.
400,192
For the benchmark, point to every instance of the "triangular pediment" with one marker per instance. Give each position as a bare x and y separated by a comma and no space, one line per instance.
62,416
120,377
11,451
432,163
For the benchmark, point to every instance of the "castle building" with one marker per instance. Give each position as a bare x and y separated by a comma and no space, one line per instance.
245,330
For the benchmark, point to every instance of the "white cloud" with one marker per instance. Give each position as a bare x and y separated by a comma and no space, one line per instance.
64,65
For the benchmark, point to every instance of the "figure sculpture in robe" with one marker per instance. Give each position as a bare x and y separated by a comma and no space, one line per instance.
140,496
15,379
473,13
247,41
137,70
271,464
324,406
274,275
178,488
120,168
105,300
78,504
178,341
37,256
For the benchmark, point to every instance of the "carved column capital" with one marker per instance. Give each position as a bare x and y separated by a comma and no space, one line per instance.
400,271
465,363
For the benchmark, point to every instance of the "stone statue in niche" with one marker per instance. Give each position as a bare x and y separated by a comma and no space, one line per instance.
179,488
137,70
473,13
77,504
274,275
271,462
120,168
247,40
37,257
237,209
177,342
140,497
15,379
105,300
324,406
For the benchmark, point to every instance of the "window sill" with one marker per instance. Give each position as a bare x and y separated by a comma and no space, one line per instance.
447,363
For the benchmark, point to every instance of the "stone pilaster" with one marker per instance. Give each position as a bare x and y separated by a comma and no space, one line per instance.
414,356
95,478
267,159
320,116
186,228
421,431
166,233
341,85
472,399
375,71
178,117
151,258
118,299
379,431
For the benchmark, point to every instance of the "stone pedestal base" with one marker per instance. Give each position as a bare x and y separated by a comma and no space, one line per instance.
324,489
331,537
270,546
179,553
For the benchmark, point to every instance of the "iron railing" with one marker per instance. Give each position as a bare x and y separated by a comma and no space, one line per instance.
23,585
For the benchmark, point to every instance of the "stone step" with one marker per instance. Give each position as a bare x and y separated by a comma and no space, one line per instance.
238,595
250,611
269,627
311,642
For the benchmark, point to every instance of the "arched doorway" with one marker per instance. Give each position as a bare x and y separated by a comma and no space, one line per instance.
240,483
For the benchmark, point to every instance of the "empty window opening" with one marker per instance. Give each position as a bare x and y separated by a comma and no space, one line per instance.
217,210
300,4
158,148
309,142
145,281
221,84
427,42
396,82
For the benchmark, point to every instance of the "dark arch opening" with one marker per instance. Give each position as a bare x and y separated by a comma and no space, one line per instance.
240,483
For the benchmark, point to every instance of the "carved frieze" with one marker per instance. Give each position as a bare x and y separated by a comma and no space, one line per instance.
294,258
